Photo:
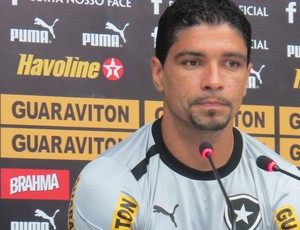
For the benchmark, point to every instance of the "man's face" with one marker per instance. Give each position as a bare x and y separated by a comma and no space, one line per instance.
204,78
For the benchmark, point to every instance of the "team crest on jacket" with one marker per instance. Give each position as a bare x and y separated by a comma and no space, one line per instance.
246,211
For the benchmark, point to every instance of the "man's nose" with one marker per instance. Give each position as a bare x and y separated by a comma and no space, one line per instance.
212,79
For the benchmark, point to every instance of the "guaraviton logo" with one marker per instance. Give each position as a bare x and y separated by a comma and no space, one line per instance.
286,218
124,214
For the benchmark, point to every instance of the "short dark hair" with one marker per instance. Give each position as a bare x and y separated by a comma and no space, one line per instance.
183,14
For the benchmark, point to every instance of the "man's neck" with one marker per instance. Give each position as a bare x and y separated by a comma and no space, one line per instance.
184,145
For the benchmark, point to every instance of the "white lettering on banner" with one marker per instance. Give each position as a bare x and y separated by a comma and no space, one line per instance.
101,40
291,10
40,22
254,77
42,214
110,3
119,3
32,36
110,26
87,2
254,10
293,50
156,6
154,35
34,183
259,45
23,225
105,40
34,225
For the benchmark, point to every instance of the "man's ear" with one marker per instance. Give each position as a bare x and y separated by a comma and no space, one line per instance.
157,73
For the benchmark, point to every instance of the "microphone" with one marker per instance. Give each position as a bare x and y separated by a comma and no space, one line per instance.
269,165
206,151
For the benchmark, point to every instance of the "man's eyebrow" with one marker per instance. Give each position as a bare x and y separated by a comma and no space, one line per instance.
201,54
189,53
235,55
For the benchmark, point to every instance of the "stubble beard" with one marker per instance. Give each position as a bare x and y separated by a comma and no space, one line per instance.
212,125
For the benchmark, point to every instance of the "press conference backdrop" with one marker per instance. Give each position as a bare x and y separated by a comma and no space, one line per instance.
75,80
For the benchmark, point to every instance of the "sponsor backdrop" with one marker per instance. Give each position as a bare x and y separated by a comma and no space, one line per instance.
75,80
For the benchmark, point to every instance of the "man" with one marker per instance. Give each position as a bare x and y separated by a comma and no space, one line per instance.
156,179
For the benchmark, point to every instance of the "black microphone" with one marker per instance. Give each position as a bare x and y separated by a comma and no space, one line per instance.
269,165
206,151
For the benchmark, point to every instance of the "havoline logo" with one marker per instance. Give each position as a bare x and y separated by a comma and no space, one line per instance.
70,67
297,79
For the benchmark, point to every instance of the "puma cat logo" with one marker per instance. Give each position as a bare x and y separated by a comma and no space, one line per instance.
257,73
159,209
40,22
112,27
42,214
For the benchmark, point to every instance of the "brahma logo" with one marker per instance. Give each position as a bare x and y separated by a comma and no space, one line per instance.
124,214
286,218
35,184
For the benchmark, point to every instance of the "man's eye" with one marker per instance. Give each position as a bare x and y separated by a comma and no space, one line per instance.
192,63
232,64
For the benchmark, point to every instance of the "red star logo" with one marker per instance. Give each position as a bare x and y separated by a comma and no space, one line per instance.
113,69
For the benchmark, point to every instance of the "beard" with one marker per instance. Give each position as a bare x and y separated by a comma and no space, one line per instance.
213,124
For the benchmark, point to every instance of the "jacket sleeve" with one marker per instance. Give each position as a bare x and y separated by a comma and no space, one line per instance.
287,201
106,196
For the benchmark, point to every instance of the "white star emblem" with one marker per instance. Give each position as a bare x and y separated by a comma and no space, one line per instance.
242,214
113,69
